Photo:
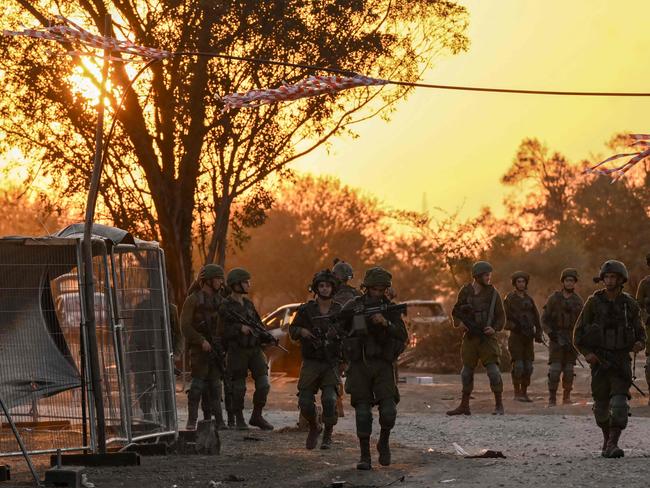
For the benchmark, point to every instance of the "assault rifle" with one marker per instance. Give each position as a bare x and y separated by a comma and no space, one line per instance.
467,316
607,362
217,354
567,344
259,331
360,327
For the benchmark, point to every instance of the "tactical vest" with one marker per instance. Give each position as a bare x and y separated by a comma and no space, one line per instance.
569,311
611,328
243,340
483,305
205,314
522,310
322,348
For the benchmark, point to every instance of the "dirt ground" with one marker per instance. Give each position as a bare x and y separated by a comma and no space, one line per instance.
544,447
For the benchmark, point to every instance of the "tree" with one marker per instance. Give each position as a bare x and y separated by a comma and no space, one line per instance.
174,154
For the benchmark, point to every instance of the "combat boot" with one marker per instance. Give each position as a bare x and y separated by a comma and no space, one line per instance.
498,403
314,431
605,439
566,397
240,423
257,420
552,399
463,408
326,443
218,420
364,462
231,420
612,450
523,394
383,448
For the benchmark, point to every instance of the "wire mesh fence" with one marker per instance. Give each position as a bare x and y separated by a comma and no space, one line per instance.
43,367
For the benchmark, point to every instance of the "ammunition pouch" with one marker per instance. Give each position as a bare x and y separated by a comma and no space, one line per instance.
359,325
594,336
352,349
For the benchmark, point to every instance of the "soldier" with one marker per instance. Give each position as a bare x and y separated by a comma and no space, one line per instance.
321,351
558,320
522,320
643,297
371,347
608,329
345,292
479,313
200,328
244,346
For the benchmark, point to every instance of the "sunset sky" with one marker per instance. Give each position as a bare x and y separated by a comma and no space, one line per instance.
454,146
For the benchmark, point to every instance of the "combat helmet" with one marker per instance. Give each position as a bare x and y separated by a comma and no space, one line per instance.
481,267
237,275
569,273
324,276
613,266
519,274
343,271
211,271
377,276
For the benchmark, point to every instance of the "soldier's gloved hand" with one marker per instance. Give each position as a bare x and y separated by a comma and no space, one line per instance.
246,330
379,319
306,334
488,331
591,358
638,346
205,345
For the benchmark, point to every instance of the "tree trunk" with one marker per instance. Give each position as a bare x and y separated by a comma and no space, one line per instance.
218,244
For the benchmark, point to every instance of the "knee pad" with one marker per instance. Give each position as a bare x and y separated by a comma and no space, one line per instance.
601,412
387,413
467,378
363,418
494,375
619,411
328,400
518,369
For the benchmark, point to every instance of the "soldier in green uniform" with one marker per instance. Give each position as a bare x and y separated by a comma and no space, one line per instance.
522,320
200,328
244,346
643,297
608,329
345,292
321,352
371,347
479,313
558,320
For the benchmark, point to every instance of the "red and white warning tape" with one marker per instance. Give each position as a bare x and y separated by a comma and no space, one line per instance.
309,87
639,140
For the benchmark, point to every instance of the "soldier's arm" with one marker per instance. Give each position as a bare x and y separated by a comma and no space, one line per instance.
456,312
548,319
192,336
397,328
297,323
635,322
642,298
507,307
499,315
584,319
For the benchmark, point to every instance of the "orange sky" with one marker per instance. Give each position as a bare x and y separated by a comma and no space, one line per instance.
454,146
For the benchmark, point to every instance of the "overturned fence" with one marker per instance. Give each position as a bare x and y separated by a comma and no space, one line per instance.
43,363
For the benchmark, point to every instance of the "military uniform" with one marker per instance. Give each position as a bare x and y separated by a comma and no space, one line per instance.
478,311
371,351
199,323
522,320
320,367
558,320
643,298
244,354
345,293
609,329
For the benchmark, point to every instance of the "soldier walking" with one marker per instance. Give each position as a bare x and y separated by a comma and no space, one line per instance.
200,328
522,320
608,329
643,297
479,313
371,347
559,318
244,346
321,352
